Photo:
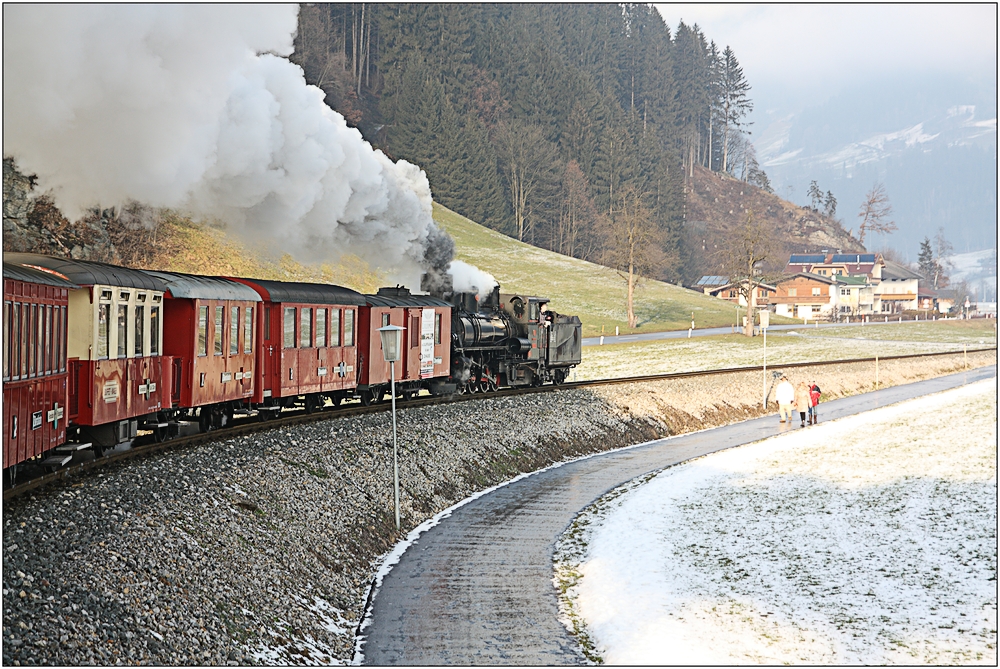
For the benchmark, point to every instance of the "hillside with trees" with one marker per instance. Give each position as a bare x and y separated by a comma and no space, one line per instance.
573,127
717,209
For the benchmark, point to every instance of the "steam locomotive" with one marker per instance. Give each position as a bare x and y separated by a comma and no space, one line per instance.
94,354
511,340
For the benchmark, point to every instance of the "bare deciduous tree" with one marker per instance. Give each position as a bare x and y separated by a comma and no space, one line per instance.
748,247
875,212
633,243
525,154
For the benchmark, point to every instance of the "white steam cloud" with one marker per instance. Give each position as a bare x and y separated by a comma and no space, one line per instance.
195,107
468,278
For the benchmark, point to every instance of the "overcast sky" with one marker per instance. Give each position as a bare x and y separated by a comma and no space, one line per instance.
799,50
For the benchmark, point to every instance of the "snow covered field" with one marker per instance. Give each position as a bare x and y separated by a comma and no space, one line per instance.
869,540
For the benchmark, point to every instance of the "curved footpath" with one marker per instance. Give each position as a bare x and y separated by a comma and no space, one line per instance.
477,587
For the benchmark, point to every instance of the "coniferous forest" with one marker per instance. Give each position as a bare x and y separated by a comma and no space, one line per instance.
569,126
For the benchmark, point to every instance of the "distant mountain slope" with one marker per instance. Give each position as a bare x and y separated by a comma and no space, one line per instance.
936,155
717,203
594,293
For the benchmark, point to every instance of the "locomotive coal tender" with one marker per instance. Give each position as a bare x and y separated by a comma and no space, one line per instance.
95,355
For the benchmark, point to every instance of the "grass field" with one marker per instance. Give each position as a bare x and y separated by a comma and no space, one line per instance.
802,345
594,293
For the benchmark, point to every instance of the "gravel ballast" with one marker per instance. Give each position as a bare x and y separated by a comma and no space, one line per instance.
260,549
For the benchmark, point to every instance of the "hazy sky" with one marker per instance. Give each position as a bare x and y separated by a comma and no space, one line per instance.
809,49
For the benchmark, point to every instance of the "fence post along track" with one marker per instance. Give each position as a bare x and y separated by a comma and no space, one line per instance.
301,418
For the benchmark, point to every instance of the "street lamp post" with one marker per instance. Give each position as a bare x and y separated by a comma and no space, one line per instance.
392,336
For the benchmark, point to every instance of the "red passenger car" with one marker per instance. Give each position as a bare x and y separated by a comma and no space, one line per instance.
35,390
210,338
118,376
308,351
426,352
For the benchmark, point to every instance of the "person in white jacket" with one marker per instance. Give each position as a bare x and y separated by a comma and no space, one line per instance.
785,394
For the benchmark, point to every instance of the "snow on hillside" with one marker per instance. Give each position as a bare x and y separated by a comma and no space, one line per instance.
868,540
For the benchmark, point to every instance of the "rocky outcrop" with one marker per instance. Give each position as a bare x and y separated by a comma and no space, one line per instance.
716,204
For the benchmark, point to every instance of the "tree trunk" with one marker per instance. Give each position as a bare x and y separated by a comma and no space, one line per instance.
631,297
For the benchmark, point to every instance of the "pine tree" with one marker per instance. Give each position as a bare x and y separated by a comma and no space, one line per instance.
815,195
925,259
736,103
830,205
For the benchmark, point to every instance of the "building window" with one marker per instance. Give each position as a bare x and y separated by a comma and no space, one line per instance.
139,322
202,330
248,330
154,331
305,330
385,320
349,327
792,292
320,328
335,327
289,327
122,330
816,291
220,313
845,292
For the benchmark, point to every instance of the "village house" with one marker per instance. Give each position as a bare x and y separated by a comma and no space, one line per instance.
899,288
856,296
759,297
806,295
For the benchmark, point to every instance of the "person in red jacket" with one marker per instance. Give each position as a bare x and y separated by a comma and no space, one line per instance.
814,393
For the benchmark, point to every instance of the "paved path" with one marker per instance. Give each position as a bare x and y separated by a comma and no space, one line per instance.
709,332
477,588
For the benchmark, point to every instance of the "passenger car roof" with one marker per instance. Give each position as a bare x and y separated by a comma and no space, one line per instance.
308,293
194,286
87,273
32,275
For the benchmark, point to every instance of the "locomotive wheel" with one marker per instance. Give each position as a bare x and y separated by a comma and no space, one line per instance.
370,397
313,403
559,377
160,434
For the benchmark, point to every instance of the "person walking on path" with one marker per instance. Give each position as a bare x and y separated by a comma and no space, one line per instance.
785,394
814,393
802,401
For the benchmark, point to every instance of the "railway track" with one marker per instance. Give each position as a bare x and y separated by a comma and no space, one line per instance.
250,425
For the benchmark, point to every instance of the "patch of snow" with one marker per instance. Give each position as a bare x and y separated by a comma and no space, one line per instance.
866,540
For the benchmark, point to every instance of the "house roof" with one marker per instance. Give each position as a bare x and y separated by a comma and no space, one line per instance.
851,280
718,289
893,270
808,275
854,258
806,259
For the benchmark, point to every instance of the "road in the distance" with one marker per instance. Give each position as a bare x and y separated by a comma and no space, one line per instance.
477,588
709,332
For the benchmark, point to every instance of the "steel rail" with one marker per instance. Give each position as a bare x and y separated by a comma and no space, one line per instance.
251,426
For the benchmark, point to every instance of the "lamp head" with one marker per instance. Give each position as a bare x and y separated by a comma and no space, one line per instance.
392,338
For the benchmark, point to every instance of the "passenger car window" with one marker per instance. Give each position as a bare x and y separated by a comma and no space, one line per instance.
202,330
289,327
